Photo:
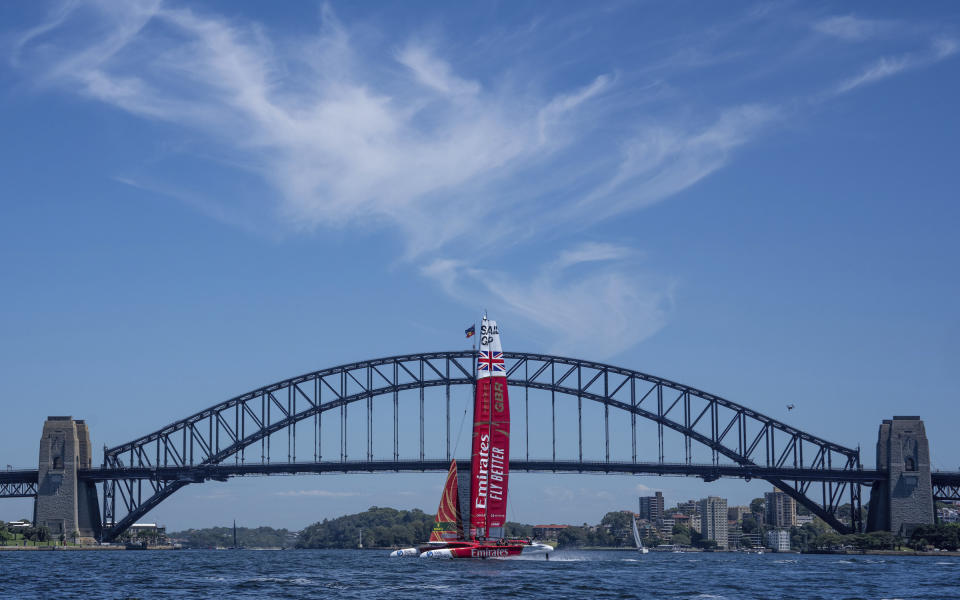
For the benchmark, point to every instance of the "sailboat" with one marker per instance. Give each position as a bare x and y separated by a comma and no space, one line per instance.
636,537
477,529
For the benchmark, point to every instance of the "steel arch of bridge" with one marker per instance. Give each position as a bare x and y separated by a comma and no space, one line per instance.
191,449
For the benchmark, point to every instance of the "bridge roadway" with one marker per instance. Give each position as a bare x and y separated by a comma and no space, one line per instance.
709,472
22,483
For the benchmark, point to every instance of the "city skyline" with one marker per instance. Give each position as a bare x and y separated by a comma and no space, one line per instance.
758,200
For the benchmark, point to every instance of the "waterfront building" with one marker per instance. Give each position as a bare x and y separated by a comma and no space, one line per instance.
19,525
781,510
778,540
665,526
651,507
734,532
548,532
736,513
647,529
689,508
804,519
948,515
713,520
696,523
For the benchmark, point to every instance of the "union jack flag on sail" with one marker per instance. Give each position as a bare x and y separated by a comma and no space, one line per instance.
491,362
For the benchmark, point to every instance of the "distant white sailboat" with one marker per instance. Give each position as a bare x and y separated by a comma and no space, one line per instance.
636,538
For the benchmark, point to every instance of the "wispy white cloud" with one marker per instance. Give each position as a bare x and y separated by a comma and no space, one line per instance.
592,252
405,140
600,311
435,73
881,69
342,141
853,29
944,47
886,67
551,115
661,161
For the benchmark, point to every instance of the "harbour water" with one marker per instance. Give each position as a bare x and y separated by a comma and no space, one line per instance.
370,574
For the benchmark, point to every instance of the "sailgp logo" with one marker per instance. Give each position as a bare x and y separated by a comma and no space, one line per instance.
488,553
487,332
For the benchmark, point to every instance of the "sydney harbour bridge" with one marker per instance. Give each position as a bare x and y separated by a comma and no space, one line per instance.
648,425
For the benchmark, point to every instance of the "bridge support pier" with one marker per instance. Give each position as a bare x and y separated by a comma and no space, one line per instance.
905,499
66,506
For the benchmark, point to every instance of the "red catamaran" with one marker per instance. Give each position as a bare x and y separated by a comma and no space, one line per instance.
477,530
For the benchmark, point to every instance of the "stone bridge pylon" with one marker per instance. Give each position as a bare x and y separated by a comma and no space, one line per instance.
904,499
66,505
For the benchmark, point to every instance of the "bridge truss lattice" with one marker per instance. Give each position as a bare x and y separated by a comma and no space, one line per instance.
223,440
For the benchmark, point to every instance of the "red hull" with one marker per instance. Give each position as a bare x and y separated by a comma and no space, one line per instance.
471,549
487,551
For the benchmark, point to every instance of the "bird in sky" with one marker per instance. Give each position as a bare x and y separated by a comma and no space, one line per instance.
789,407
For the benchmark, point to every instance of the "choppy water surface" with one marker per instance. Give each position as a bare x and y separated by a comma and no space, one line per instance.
370,574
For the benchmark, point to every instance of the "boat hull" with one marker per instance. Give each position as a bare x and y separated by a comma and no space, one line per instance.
485,550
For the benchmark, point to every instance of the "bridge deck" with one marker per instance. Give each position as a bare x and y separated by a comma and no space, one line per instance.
710,471
203,472
707,471
19,476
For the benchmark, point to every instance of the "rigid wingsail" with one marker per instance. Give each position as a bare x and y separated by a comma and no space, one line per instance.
483,533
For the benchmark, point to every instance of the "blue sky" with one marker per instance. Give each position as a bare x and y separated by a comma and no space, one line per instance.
757,199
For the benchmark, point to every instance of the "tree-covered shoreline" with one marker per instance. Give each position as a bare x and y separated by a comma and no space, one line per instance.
222,537
382,528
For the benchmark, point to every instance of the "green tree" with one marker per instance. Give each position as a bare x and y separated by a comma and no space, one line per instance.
618,524
212,537
572,537
518,530
832,541
682,535
387,526
945,536
652,540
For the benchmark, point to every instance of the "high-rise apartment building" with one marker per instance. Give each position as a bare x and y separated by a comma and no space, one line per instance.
713,520
651,507
780,510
